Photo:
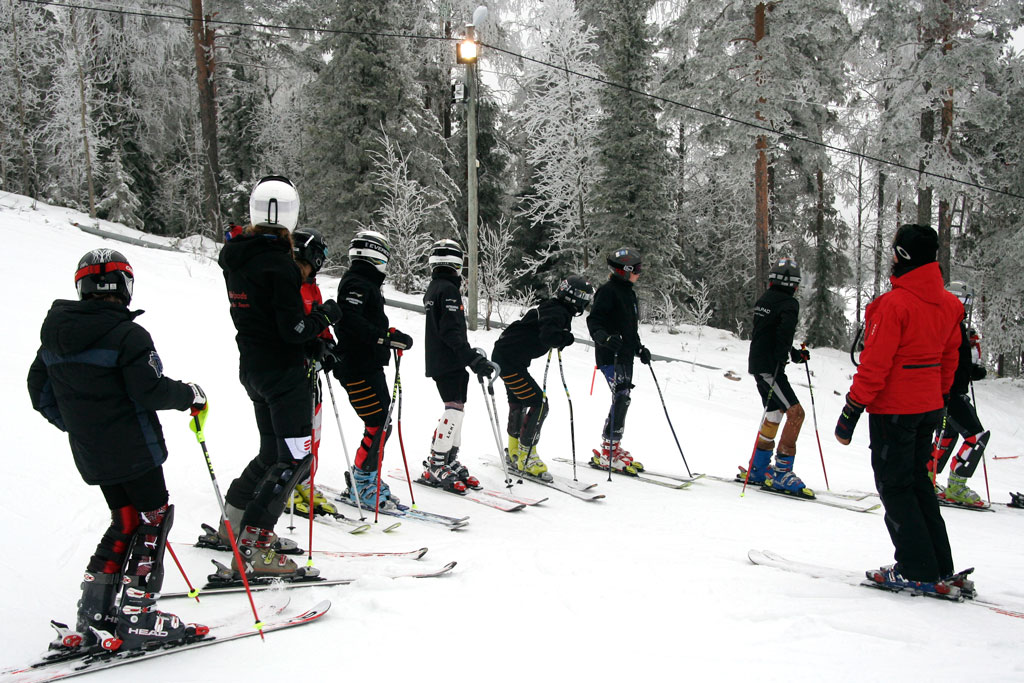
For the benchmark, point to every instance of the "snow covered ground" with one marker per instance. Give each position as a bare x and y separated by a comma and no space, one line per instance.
649,582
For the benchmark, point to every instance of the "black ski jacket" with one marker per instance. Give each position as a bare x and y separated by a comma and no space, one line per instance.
541,329
98,377
775,317
614,311
264,289
966,370
446,343
362,342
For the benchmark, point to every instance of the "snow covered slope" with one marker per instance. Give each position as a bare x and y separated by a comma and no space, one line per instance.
648,582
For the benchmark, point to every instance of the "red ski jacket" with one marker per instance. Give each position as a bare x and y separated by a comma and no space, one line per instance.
311,295
911,346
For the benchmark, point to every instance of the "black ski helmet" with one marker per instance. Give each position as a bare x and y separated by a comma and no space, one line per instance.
446,253
105,271
784,273
310,246
963,291
575,291
371,247
624,262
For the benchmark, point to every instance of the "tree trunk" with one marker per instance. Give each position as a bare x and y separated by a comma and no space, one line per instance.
202,40
879,236
28,185
760,179
924,190
84,114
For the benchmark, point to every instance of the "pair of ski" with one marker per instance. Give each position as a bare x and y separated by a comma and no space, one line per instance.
843,501
269,583
670,481
576,489
41,671
499,500
853,578
401,511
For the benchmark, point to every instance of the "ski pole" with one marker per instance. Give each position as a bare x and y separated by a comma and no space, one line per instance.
401,444
197,427
314,378
771,392
814,414
384,438
984,464
492,414
593,376
192,592
572,423
344,446
665,408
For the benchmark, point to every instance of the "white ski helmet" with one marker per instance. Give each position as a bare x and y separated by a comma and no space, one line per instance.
371,247
446,253
275,202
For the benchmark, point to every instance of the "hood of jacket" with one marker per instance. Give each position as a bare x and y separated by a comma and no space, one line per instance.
924,282
240,250
73,326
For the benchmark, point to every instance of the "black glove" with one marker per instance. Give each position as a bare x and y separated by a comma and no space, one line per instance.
799,355
645,355
398,340
198,397
481,366
978,372
328,354
848,420
566,339
329,310
613,342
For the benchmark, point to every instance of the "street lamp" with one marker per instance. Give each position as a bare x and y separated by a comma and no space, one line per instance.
467,52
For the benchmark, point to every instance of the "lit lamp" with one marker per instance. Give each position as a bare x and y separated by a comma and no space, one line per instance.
466,51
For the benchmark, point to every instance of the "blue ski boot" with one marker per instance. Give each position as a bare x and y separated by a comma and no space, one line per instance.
889,578
781,478
761,465
365,486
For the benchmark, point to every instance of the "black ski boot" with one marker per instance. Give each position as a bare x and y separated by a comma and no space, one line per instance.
96,621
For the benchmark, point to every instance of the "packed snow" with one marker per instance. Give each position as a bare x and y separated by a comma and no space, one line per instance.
648,582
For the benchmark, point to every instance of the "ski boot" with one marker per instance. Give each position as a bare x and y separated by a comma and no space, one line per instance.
526,460
260,558
141,626
97,614
961,581
620,459
1016,500
437,473
762,463
219,539
461,471
365,487
957,491
781,478
321,506
889,577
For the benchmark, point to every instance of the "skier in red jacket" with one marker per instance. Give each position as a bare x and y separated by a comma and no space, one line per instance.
911,342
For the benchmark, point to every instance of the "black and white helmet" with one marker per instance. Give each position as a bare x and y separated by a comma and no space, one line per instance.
963,291
105,271
575,291
624,262
784,272
446,253
310,247
275,202
371,247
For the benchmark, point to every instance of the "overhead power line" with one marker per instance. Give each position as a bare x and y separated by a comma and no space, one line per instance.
666,100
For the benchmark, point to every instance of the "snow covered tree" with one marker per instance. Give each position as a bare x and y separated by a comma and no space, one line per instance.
119,203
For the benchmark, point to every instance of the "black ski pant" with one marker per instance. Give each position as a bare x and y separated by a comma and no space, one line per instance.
901,447
962,419
283,404
145,493
620,382
368,395
527,406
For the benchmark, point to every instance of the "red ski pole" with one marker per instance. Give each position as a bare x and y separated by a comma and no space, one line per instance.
192,592
814,413
401,444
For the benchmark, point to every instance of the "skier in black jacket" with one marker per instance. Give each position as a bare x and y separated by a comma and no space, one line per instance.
446,357
543,328
614,326
364,348
771,343
263,285
98,377
961,415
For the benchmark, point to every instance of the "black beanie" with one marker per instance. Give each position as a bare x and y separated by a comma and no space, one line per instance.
914,245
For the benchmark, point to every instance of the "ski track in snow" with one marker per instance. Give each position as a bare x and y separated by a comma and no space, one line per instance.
649,581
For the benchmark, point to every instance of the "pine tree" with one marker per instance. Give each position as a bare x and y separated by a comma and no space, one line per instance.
120,204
